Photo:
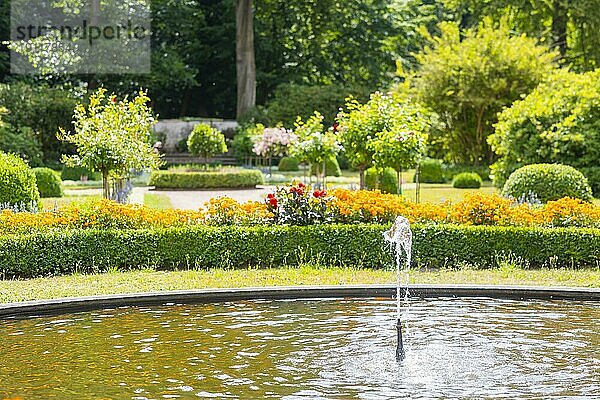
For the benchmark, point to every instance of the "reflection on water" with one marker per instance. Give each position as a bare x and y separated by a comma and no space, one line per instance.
307,349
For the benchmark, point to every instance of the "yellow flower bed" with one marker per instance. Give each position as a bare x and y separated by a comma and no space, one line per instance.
348,206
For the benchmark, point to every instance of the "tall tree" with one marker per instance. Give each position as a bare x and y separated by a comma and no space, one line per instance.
245,58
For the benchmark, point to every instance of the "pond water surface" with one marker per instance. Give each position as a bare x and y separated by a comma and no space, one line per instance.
307,349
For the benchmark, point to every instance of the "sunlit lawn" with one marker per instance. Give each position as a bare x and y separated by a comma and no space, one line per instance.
152,281
157,201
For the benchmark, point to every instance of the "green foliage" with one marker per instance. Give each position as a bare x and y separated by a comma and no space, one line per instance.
113,137
237,179
547,182
36,113
242,145
290,101
385,130
49,183
289,164
206,141
468,77
385,180
20,141
182,145
76,173
559,122
17,182
314,146
467,180
593,176
332,168
431,171
435,246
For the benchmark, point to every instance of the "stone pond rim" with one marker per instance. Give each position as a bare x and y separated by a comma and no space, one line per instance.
78,304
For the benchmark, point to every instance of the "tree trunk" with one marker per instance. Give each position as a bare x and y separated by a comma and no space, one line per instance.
105,185
361,174
245,62
559,27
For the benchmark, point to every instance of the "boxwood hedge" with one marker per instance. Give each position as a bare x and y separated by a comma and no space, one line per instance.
239,179
43,254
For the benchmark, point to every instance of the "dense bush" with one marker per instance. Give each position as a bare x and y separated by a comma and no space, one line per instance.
332,168
20,141
385,180
431,171
48,182
467,180
290,101
593,176
547,182
43,110
559,122
243,144
359,245
77,173
17,182
206,180
289,164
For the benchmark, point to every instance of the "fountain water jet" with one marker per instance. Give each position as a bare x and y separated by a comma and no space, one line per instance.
399,236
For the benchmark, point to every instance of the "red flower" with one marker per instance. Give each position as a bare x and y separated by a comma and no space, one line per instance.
319,194
273,202
270,196
335,127
298,190
301,185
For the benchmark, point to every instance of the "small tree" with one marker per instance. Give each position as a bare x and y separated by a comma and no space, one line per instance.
399,149
273,142
314,145
206,142
114,138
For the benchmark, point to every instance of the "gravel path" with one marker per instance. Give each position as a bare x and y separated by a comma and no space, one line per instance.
192,200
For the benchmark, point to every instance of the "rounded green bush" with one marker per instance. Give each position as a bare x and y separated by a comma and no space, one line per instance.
289,164
206,141
332,168
77,173
547,182
467,180
431,171
48,182
386,180
17,182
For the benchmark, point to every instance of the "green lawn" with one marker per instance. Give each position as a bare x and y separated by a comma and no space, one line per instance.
152,281
157,201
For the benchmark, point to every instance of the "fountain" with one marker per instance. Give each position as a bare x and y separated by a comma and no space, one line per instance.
399,236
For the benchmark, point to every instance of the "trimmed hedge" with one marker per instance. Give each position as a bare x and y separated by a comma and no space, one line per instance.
76,173
48,182
289,164
430,171
34,255
206,180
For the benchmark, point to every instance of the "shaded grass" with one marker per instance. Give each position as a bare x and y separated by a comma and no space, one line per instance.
116,282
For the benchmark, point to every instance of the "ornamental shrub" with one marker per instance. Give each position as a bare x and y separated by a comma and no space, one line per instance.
593,176
289,164
431,171
332,167
206,141
385,180
451,170
467,180
17,183
547,182
48,182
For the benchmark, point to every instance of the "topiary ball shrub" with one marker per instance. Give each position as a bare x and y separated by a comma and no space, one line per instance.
48,182
17,183
386,180
431,171
288,164
467,180
206,141
547,182
332,168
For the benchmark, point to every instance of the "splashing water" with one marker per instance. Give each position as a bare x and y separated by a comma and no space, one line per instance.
399,236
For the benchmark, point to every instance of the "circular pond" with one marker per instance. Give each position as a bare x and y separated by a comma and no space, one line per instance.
307,349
